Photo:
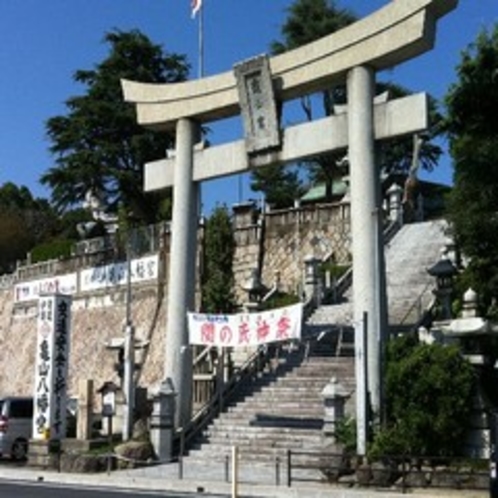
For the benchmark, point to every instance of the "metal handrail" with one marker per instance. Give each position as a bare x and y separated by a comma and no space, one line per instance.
346,279
200,357
423,315
253,365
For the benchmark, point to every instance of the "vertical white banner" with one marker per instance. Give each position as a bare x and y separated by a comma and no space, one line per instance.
52,357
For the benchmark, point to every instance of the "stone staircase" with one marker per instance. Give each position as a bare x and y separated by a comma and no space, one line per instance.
282,410
414,249
279,411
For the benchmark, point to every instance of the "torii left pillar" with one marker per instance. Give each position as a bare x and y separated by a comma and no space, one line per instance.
181,298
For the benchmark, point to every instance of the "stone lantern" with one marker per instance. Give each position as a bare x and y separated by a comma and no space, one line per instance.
444,271
311,281
109,392
334,397
162,421
395,193
254,289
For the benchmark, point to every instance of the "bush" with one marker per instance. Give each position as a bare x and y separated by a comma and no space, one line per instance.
428,395
55,249
345,433
280,300
335,270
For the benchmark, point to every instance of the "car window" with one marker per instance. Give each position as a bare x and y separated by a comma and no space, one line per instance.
21,408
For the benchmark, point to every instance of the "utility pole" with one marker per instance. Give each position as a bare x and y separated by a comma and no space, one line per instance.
129,352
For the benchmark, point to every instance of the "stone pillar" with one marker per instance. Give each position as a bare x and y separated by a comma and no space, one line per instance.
85,410
178,361
366,229
162,426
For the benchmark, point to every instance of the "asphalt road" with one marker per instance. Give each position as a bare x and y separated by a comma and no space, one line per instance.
41,490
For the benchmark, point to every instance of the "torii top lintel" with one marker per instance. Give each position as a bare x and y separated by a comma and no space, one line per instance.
401,30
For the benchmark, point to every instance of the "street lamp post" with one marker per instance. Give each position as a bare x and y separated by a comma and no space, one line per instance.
94,201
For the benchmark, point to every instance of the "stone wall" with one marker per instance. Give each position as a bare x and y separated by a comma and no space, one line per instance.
270,242
279,241
96,319
292,235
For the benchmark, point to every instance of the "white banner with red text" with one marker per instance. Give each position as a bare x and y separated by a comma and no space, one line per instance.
246,329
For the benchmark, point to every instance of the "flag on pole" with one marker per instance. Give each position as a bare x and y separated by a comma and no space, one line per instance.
196,6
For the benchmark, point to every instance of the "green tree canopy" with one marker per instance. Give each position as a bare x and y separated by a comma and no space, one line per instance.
281,185
217,279
307,21
24,222
471,110
98,144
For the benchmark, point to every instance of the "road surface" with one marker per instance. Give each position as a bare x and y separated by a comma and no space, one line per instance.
41,490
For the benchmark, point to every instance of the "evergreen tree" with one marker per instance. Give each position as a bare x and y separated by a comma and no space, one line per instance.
472,107
280,184
217,279
98,144
307,21
24,222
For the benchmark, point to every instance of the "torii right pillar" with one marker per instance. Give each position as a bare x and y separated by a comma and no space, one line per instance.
369,297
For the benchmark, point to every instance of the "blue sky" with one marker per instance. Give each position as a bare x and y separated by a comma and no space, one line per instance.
43,42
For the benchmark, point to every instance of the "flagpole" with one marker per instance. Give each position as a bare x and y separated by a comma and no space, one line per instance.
200,75
201,41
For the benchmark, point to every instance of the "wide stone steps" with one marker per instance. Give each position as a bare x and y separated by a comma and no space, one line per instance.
331,317
277,395
277,405
308,455
297,407
278,419
260,432
282,411
291,387
276,413
269,438
258,448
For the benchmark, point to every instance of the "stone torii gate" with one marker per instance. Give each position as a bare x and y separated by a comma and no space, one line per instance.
401,30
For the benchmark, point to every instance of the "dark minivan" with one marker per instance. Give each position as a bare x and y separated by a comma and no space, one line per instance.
16,425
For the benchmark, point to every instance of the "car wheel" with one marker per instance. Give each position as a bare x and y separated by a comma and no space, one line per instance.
19,450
